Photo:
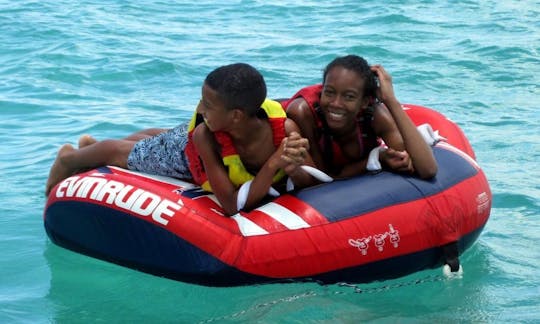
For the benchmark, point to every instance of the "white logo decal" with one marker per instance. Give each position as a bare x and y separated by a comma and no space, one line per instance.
394,236
482,201
120,195
362,244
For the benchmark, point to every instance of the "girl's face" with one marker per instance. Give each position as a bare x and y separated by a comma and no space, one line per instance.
211,107
342,99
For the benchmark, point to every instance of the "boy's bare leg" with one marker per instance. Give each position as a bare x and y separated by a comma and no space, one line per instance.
145,133
59,170
70,160
86,140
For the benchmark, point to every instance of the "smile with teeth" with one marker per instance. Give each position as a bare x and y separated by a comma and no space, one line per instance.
336,114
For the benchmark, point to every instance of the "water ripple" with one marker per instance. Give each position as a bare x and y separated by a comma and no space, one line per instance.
109,68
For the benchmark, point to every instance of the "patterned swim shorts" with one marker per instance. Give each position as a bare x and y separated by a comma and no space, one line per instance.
163,154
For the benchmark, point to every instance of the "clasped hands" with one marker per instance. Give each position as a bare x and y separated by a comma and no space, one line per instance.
293,152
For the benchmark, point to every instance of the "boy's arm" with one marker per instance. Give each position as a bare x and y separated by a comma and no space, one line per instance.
223,188
208,150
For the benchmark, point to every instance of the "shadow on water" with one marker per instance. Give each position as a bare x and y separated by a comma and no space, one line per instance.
84,289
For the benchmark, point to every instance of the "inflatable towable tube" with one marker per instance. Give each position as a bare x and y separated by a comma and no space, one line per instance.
371,227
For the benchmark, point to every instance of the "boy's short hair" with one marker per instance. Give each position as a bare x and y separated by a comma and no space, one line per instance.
239,85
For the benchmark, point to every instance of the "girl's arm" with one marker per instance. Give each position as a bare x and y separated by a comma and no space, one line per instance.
419,151
300,113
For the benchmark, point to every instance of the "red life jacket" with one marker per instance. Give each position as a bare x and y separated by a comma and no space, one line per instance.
331,149
236,169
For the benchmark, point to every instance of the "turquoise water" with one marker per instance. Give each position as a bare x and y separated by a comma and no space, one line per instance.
109,68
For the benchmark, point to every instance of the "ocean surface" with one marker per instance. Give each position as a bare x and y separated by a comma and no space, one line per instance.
109,68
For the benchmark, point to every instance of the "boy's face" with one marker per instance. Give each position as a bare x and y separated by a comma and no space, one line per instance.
213,110
342,98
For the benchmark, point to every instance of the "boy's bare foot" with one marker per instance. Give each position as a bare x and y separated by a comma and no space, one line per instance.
59,171
86,140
